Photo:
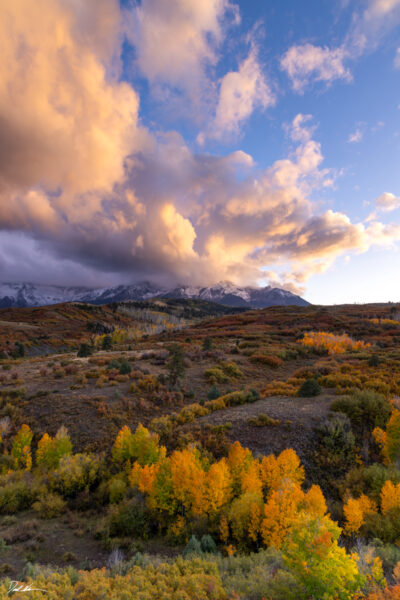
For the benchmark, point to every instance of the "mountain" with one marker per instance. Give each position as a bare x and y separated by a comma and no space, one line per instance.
17,295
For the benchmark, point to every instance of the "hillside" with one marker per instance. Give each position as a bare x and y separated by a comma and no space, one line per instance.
208,383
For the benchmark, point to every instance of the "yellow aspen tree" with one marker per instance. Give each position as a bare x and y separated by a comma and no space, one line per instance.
251,479
314,501
390,497
280,513
285,467
217,487
188,476
21,448
355,510
239,460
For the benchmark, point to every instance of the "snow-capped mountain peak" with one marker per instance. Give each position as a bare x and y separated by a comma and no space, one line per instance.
225,292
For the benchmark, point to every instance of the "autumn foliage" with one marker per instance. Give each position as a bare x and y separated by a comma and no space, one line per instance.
334,344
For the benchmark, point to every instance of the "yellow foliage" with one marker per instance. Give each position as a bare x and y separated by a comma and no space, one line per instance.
390,497
355,510
334,344
218,487
276,470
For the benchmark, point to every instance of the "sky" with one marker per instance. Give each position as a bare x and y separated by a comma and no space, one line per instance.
180,141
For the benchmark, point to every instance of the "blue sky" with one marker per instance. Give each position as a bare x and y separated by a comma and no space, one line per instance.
251,141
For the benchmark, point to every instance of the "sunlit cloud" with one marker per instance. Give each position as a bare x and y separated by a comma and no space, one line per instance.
88,191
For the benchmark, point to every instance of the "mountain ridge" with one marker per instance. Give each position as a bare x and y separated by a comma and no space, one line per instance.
21,295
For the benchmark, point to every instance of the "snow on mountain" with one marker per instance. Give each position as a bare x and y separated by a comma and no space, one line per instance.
27,294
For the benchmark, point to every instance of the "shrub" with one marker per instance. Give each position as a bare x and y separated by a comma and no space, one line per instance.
16,494
130,517
75,473
125,368
215,375
266,359
116,489
263,420
309,388
49,506
232,370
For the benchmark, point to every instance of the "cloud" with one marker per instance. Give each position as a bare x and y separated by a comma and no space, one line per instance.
386,202
240,93
88,194
356,136
61,116
306,63
177,41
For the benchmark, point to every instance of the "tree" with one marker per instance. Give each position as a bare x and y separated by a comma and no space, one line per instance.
355,510
309,388
19,350
142,446
176,363
286,467
390,497
320,566
217,487
213,392
125,368
51,450
187,475
85,349
390,439
366,410
107,343
21,448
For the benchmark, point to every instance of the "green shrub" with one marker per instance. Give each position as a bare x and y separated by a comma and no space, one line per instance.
116,489
130,517
125,368
309,388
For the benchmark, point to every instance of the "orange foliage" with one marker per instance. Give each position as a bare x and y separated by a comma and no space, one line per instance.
274,470
355,510
390,497
334,344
